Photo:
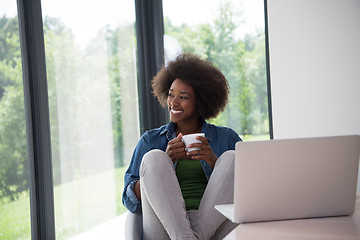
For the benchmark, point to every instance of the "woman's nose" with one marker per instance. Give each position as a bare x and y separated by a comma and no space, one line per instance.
175,102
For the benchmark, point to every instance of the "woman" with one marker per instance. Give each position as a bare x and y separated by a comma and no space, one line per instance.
177,190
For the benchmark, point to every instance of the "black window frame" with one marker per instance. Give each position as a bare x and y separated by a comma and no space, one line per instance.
150,58
37,119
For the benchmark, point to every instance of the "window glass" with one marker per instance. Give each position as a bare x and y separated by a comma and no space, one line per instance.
14,184
91,74
231,35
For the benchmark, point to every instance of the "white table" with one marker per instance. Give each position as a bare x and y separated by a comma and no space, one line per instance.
339,228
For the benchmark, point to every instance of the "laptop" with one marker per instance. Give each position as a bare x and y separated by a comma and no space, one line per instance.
294,178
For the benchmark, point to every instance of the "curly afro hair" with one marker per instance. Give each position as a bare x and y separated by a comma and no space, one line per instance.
210,85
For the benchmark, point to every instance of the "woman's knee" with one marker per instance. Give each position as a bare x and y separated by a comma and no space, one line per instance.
154,160
227,158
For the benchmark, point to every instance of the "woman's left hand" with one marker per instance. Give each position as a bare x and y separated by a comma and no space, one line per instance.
205,152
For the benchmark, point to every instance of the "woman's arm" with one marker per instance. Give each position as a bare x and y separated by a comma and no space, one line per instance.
131,198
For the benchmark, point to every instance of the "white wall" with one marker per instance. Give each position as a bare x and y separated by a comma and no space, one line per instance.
314,67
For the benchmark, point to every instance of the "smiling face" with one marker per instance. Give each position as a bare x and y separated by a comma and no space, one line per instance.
181,102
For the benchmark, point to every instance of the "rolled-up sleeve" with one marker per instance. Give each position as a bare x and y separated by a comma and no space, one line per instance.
130,193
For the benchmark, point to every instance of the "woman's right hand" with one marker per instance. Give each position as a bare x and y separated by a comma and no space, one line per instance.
176,149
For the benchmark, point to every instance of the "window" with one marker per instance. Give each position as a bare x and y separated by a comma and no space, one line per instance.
14,184
231,35
91,74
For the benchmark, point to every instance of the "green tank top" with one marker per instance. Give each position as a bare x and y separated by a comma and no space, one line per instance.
192,182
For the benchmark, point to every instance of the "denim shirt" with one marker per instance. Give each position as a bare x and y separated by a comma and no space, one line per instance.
220,139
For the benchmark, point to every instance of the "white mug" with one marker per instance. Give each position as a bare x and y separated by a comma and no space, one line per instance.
191,138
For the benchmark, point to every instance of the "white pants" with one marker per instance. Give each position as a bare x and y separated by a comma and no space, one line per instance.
163,206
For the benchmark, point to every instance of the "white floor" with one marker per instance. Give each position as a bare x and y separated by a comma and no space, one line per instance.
110,230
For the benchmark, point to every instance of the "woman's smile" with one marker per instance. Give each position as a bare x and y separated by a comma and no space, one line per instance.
176,111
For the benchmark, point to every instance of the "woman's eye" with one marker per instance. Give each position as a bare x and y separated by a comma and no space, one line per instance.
184,98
